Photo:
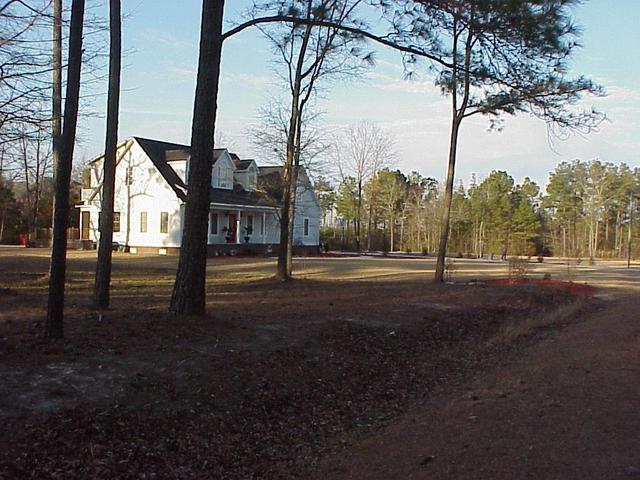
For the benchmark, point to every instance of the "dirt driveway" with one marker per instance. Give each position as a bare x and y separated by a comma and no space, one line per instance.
565,408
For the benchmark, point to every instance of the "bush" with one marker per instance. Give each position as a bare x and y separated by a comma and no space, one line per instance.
449,268
518,267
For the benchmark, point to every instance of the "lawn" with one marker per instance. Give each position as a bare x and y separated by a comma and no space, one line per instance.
274,378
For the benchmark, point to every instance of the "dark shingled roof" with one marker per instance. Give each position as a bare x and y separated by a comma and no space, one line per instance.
242,164
269,189
156,151
238,196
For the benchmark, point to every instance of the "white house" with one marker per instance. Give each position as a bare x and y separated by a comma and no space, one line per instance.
150,191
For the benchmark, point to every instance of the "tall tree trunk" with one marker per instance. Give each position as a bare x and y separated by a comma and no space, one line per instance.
358,219
57,269
370,222
401,240
282,272
4,216
292,217
56,126
448,199
392,227
188,297
290,173
293,194
103,269
36,192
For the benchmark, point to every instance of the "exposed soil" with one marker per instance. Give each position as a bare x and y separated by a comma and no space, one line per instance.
276,379
564,408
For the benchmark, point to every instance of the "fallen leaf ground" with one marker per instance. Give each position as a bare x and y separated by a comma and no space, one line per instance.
275,379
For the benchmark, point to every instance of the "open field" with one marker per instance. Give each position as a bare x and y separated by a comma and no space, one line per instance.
19,264
275,379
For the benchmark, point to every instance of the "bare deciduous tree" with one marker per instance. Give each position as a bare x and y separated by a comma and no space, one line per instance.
57,269
103,269
361,152
308,54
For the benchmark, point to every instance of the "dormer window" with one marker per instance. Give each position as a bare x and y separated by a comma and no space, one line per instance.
222,177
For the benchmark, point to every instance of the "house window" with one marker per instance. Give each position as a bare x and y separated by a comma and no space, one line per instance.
164,222
143,222
213,222
226,177
249,224
223,177
306,227
129,176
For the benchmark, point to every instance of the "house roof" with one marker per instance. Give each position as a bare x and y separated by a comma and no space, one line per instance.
239,196
156,151
269,190
241,164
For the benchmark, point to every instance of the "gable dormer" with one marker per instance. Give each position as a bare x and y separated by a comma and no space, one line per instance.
223,168
246,174
178,159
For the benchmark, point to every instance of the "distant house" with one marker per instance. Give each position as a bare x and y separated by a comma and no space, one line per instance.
150,188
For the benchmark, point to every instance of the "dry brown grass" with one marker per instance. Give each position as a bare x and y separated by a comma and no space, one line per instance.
539,321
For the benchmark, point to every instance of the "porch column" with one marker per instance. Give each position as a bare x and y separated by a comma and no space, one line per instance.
238,233
264,227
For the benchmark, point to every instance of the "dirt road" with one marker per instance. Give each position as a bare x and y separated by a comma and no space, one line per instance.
564,408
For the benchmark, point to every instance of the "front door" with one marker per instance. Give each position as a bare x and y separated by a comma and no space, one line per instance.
84,221
232,234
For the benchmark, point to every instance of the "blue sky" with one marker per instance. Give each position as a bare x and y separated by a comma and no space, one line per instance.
159,80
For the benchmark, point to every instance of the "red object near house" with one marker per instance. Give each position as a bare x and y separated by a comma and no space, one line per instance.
232,234
24,239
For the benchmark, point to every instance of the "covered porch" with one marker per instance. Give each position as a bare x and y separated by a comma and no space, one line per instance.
234,226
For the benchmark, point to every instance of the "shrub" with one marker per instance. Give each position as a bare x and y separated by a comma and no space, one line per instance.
449,268
518,267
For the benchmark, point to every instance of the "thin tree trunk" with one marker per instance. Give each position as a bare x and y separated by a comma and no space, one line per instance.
188,297
292,216
369,224
285,250
57,269
56,126
358,222
103,269
4,215
282,272
294,191
448,199
402,242
392,225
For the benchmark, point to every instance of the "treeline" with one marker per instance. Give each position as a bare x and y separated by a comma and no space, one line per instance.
489,59
586,210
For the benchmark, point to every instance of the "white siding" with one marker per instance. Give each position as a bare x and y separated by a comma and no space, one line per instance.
307,206
146,192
